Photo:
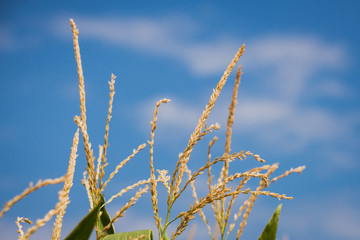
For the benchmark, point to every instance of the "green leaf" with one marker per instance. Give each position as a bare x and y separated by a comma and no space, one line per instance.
84,229
104,218
127,235
163,233
269,232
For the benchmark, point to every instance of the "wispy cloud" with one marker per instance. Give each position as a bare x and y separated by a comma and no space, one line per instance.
168,36
291,62
275,122
292,73
178,113
176,36
287,66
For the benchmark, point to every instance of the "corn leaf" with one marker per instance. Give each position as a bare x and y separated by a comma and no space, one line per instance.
127,235
269,232
104,218
84,229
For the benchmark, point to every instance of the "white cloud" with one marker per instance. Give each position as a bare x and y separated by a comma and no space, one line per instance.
288,63
287,66
175,114
275,122
167,36
209,58
302,50
252,113
290,56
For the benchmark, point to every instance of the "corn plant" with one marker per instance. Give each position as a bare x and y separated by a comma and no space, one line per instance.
221,195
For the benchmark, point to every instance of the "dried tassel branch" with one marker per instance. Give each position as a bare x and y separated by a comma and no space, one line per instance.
18,222
30,189
287,173
86,184
164,179
251,200
256,156
231,121
153,184
106,144
201,212
232,200
179,169
67,186
216,193
221,215
246,178
122,163
89,155
201,170
268,193
121,212
128,188
63,199
99,165
82,120
75,32
211,143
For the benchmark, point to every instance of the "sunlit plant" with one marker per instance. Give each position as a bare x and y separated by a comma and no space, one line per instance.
221,195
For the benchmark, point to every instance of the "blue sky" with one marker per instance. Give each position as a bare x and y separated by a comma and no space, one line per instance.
298,102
